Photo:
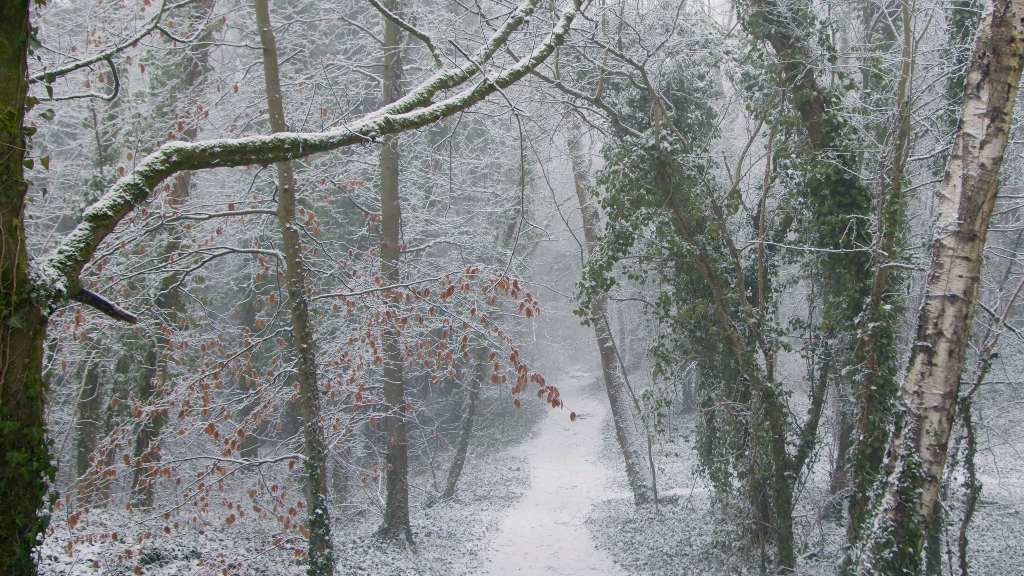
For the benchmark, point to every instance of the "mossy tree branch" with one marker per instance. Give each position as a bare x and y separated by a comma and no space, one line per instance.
56,276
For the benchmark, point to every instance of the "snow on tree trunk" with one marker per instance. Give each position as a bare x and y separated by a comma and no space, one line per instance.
321,550
917,453
625,414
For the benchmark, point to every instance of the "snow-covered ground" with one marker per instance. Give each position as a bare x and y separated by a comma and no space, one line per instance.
542,495
545,532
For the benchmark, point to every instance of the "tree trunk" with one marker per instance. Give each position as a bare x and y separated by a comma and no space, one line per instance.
462,448
625,412
840,479
396,510
155,371
88,431
146,446
25,468
917,453
321,550
933,543
784,476
877,388
850,276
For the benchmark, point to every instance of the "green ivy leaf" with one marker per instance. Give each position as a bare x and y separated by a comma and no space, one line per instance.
15,321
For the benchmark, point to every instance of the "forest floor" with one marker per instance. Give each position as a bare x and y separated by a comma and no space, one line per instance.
545,532
554,503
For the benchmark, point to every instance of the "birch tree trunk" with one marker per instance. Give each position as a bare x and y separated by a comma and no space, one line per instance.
917,454
396,510
321,551
625,412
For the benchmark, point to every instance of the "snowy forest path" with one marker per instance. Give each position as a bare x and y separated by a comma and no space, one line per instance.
544,533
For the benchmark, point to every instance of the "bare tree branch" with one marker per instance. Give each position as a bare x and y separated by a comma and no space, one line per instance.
55,277
411,30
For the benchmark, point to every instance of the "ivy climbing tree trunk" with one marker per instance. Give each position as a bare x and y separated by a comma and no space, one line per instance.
625,410
396,509
877,350
25,469
917,454
321,549
855,283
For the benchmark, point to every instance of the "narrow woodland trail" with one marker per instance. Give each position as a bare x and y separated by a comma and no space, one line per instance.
544,533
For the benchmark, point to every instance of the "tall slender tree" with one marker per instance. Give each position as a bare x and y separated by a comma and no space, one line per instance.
629,431
396,509
314,448
914,463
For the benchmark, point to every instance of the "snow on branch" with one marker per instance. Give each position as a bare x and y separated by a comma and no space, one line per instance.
56,276
153,26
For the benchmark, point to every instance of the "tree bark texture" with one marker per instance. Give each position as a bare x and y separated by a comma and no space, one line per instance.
25,468
88,431
466,431
396,509
321,550
917,454
625,412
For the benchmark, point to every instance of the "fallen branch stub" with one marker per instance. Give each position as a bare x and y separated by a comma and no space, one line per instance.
94,300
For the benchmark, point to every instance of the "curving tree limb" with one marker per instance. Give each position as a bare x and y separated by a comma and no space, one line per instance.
56,276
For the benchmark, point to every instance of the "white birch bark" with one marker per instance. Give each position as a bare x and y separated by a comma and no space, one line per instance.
917,453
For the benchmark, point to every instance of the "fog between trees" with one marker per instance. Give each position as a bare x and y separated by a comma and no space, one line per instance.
405,287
